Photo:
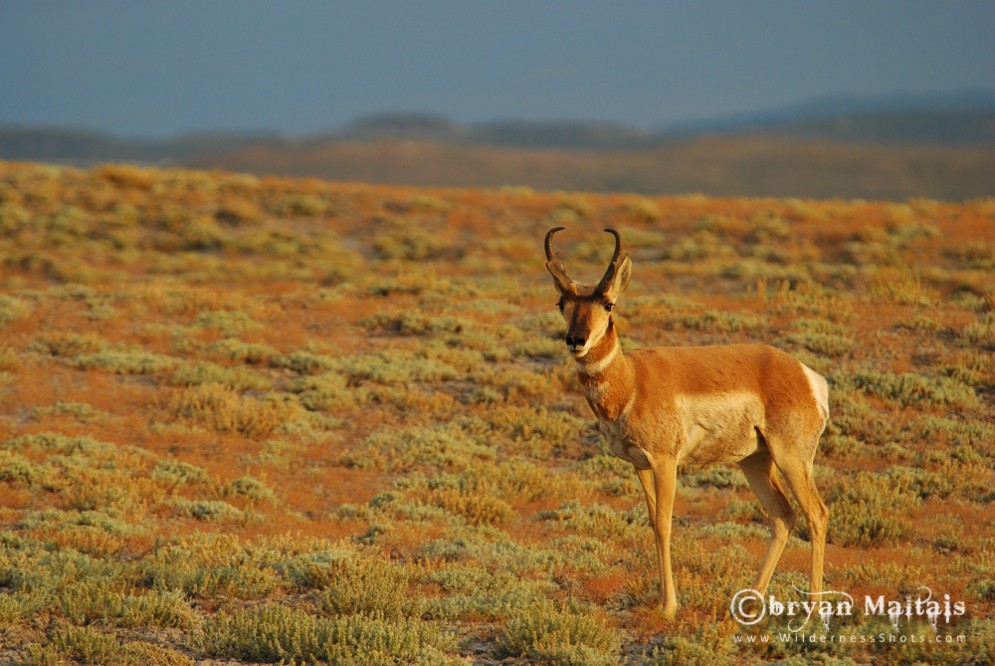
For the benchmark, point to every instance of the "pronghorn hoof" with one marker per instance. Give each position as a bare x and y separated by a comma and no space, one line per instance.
668,612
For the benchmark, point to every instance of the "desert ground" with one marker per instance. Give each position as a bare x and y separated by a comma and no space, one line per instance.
253,419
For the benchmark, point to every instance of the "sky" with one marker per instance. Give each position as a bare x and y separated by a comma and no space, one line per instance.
156,68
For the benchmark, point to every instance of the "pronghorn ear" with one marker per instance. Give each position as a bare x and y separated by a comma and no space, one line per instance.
555,267
560,278
620,281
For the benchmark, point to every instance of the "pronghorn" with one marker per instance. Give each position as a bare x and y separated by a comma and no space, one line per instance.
748,404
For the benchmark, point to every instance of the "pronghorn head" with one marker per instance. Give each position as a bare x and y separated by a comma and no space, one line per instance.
588,309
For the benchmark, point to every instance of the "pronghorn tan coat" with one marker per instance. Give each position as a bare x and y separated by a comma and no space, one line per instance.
747,404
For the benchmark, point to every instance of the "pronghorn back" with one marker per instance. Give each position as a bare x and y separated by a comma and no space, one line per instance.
787,383
722,397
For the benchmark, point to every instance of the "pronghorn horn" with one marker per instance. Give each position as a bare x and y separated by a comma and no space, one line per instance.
555,266
549,242
606,281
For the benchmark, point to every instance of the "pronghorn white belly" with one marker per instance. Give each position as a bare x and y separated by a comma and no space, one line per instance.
719,427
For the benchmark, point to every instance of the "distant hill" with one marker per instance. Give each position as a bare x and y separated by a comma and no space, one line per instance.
949,128
414,125
735,165
891,147
57,144
961,119
964,119
817,113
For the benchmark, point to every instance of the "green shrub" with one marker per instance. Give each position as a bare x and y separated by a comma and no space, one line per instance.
955,431
408,322
82,645
229,322
208,510
596,519
126,361
158,609
513,480
84,602
368,585
273,633
569,636
312,570
68,345
238,378
981,332
476,509
12,217
539,431
80,410
300,204
697,247
869,509
920,483
243,352
327,391
178,570
707,644
853,416
304,362
106,521
11,609
715,321
395,366
11,309
644,210
912,389
454,445
822,337
714,476
221,408
99,601
424,203
18,469
250,488
178,473
472,592
410,243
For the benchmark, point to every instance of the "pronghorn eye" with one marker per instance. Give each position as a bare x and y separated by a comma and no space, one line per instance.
560,305
609,306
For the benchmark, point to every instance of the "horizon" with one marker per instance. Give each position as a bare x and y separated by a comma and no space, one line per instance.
902,101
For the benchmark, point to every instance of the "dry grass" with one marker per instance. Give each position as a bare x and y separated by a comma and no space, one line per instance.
267,419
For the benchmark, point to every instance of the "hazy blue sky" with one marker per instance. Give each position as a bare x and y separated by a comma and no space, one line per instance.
162,66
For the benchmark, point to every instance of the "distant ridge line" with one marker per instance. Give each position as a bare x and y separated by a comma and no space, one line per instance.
830,148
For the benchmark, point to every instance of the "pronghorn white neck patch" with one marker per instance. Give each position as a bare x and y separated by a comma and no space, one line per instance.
598,367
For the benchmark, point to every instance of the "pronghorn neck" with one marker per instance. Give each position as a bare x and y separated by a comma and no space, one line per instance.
601,356
606,377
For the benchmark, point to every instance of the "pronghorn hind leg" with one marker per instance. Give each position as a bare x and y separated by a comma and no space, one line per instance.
665,482
798,475
762,477
649,488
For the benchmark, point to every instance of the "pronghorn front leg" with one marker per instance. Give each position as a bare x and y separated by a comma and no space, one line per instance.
649,487
665,480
